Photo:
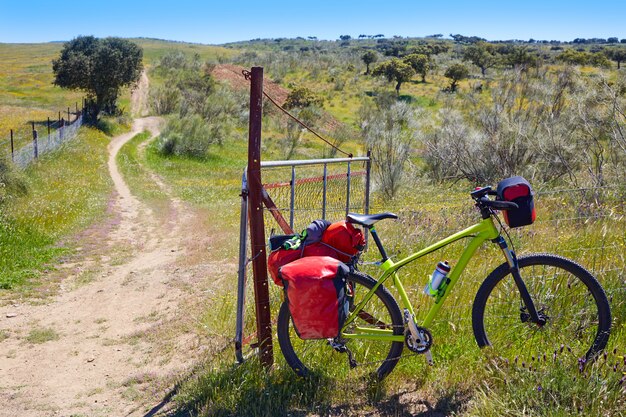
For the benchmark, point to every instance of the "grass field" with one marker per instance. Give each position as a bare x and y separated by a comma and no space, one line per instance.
464,380
65,196
67,190
28,94
567,225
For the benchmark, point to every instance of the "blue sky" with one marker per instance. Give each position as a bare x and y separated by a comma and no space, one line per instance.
227,20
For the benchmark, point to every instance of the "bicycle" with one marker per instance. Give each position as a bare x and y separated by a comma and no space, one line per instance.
538,302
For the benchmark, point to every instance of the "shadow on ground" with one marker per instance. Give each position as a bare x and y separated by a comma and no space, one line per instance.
247,390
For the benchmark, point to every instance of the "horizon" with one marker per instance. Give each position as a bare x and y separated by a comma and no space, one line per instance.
218,23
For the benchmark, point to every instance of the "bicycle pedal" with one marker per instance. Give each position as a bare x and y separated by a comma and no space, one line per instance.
341,348
351,359
337,346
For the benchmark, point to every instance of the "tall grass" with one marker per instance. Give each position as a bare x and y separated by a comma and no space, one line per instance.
66,191
464,380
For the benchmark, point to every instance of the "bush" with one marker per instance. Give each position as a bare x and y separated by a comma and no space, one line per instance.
165,100
390,133
207,111
548,128
189,135
301,97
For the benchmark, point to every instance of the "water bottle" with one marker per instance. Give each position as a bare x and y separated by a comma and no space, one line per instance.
437,278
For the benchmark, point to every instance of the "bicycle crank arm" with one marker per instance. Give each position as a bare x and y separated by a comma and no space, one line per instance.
418,339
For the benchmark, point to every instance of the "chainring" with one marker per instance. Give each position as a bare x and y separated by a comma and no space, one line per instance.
422,346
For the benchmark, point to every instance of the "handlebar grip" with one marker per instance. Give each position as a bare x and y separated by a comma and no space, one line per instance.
503,205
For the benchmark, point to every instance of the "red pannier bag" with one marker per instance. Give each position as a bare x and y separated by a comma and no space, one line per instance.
281,257
315,287
345,238
519,191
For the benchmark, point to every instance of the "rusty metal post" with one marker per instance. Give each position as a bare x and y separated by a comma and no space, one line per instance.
48,127
368,171
255,213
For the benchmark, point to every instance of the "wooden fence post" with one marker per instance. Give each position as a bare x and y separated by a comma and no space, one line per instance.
36,151
12,149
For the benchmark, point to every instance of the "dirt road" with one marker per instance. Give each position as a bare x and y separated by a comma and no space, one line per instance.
119,332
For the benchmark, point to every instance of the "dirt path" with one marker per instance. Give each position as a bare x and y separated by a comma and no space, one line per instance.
118,333
139,97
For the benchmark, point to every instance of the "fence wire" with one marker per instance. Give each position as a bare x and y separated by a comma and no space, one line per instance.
23,156
308,194
308,204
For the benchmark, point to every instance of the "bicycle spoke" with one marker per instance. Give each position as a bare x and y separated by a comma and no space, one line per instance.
565,304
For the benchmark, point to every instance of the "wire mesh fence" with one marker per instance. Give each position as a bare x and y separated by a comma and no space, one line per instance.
30,140
325,190
42,144
320,192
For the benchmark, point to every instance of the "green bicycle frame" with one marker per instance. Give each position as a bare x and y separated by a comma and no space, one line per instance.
479,233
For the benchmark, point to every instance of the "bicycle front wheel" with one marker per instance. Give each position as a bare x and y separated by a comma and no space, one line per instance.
376,358
567,297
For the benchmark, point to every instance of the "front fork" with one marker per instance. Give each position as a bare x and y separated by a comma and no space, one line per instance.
527,300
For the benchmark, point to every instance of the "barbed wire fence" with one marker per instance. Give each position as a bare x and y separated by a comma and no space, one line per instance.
57,133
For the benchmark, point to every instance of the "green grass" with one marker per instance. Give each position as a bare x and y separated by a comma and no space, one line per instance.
464,380
68,190
134,172
42,335
153,49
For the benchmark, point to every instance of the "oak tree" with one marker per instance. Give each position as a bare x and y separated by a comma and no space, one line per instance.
369,57
395,70
100,67
456,73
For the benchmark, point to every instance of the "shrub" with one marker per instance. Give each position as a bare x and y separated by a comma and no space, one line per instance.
301,97
551,127
165,100
189,135
390,133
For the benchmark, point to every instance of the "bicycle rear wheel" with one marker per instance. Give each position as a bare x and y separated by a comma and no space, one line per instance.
572,302
372,357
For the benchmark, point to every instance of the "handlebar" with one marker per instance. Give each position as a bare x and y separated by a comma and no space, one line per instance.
498,205
483,201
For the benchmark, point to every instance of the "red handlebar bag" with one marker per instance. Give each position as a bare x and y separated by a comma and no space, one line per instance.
316,292
519,191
